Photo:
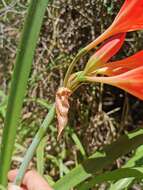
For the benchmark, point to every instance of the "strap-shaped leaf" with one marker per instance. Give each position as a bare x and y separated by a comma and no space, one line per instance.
98,161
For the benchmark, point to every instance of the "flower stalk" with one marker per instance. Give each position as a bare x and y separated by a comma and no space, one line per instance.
81,53
32,148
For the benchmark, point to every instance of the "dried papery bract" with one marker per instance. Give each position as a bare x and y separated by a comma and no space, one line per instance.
62,108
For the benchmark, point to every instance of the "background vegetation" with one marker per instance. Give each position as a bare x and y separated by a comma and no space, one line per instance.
99,114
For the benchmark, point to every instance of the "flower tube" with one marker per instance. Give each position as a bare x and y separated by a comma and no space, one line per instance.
131,81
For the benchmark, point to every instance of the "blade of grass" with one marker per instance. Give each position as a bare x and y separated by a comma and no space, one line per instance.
99,161
49,180
40,156
78,144
22,69
42,102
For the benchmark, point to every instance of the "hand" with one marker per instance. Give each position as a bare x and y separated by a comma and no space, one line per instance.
32,181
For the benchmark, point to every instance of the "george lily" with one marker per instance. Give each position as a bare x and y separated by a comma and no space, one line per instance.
129,18
126,74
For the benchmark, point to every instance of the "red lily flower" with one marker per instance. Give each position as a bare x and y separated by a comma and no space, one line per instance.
126,74
129,18
131,81
105,52
122,66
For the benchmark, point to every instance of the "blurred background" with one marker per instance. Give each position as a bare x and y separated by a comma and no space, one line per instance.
99,114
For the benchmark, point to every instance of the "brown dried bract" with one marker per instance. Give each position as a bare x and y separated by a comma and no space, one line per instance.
62,108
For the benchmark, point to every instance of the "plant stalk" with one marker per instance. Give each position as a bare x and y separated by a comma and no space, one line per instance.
81,53
31,150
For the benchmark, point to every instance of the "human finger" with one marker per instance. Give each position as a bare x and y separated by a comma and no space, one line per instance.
32,180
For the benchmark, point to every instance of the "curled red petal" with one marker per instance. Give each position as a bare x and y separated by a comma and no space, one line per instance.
105,52
119,67
131,81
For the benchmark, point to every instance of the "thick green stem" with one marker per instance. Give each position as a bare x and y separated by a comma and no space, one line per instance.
20,76
31,150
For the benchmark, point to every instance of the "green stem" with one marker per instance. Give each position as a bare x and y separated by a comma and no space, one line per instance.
73,63
20,76
31,150
85,50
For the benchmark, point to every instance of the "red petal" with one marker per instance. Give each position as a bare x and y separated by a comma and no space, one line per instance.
119,67
131,81
105,52
129,18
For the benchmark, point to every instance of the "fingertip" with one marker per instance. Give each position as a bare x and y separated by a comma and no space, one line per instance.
37,183
32,180
12,174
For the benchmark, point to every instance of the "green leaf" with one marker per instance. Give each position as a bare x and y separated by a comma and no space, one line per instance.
114,175
42,102
135,161
100,160
24,59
